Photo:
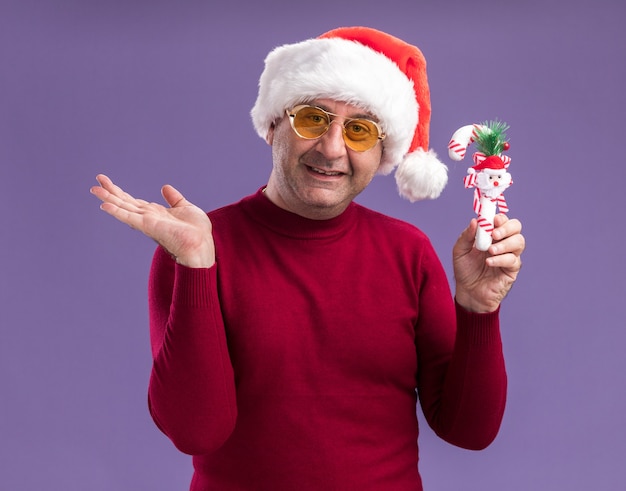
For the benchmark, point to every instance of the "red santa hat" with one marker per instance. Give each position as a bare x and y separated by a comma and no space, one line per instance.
492,164
371,70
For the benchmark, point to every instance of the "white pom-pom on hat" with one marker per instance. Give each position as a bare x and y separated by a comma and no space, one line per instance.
371,70
421,175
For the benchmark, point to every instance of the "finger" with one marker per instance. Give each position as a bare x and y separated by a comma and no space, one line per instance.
108,192
126,202
173,196
505,227
514,244
510,263
465,242
469,233
103,179
107,184
99,190
500,219
131,218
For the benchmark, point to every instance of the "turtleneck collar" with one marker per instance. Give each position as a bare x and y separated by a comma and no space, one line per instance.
262,210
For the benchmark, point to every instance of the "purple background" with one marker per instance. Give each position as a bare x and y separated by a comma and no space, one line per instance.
151,92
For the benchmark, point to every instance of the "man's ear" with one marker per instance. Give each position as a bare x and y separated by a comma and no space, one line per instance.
270,134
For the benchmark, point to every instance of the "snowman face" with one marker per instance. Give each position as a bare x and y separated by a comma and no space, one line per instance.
492,183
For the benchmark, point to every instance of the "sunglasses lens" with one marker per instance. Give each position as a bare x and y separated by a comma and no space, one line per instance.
310,122
361,134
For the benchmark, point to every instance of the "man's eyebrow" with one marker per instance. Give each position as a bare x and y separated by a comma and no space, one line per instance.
356,116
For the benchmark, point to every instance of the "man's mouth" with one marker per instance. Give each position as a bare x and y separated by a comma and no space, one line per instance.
324,172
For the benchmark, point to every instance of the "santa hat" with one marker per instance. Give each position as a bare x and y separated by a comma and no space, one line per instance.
371,70
490,165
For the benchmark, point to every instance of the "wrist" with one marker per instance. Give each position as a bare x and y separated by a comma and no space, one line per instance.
202,258
469,303
194,262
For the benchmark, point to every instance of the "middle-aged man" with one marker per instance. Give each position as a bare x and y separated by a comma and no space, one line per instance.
293,332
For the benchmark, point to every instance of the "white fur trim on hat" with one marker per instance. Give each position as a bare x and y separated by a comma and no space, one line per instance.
345,71
421,176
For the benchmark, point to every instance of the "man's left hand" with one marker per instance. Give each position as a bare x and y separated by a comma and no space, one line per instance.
483,279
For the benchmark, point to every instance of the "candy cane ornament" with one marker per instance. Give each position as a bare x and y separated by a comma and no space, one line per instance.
488,176
461,139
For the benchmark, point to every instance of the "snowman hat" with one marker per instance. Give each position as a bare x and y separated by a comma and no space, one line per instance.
374,71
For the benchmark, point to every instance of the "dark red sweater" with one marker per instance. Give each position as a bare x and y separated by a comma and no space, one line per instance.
293,363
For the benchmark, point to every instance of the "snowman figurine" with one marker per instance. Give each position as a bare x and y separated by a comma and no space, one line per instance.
489,176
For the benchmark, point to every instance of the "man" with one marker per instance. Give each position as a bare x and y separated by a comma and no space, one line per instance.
293,332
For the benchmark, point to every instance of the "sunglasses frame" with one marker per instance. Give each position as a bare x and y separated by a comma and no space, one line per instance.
291,113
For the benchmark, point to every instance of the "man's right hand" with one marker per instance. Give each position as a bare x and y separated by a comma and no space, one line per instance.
183,229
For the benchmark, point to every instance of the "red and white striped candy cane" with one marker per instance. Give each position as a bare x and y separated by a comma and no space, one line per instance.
502,206
486,214
484,206
461,139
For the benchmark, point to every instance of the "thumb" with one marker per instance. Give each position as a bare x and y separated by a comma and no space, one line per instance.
173,197
465,241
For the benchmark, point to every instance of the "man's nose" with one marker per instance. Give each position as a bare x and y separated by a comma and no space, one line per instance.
332,144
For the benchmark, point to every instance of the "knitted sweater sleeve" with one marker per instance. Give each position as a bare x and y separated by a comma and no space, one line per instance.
191,393
463,379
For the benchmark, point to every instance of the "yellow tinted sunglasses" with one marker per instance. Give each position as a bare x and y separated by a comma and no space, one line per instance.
311,122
